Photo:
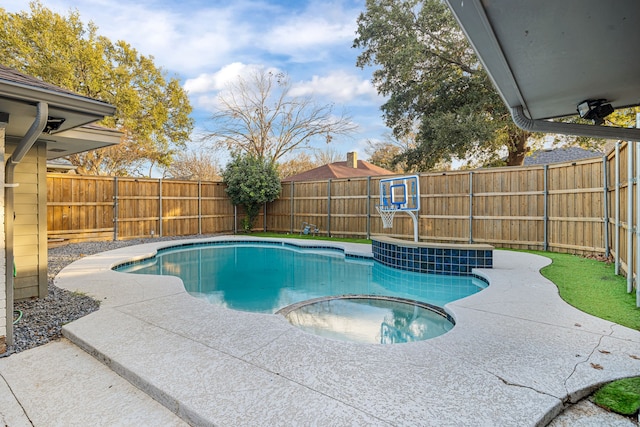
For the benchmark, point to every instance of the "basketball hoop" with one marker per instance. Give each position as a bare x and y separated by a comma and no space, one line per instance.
387,213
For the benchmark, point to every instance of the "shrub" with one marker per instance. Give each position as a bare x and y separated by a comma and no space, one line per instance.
251,182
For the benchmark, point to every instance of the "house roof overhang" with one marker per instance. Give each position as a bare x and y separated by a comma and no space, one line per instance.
73,136
547,56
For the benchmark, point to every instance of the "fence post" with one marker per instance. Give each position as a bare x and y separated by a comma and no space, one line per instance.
329,208
291,221
605,181
470,206
616,237
368,207
199,207
264,217
160,207
235,219
637,227
545,220
629,217
115,208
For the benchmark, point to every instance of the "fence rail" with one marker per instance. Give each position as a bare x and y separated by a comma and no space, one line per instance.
584,207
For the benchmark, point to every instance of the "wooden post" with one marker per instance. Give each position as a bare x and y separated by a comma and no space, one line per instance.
616,237
471,207
292,207
605,185
546,208
160,208
368,207
115,208
329,207
199,207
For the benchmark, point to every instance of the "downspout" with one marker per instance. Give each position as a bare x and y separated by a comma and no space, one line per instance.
525,123
18,154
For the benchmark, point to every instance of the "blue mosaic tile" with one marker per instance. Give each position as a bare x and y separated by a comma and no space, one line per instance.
432,260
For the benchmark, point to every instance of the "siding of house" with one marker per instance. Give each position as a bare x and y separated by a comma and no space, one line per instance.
30,225
3,293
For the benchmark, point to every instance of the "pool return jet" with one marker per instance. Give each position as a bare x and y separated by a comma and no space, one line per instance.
399,194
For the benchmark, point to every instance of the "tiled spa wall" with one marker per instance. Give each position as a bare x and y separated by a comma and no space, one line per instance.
431,259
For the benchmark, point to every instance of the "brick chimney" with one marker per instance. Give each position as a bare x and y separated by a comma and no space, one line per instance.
352,160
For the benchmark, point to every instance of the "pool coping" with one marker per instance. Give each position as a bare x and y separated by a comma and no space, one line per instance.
516,356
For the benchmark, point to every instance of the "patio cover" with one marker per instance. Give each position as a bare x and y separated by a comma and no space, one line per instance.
547,56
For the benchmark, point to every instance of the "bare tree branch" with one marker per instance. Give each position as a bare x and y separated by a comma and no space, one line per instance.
258,116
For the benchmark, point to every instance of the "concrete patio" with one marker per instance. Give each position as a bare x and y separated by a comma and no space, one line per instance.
516,356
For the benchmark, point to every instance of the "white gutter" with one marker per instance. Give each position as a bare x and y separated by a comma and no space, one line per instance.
592,131
14,159
61,99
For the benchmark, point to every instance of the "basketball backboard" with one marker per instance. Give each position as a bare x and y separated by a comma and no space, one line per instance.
402,193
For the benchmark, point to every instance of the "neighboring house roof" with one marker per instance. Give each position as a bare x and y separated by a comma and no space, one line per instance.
339,170
567,154
60,165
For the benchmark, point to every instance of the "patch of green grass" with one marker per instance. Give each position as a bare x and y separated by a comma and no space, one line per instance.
592,286
310,237
622,396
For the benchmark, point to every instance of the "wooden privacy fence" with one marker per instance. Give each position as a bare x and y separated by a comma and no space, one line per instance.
557,207
583,207
83,208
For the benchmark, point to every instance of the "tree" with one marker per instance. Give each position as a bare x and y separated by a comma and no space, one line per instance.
251,182
432,77
387,153
326,156
151,111
258,116
295,165
199,165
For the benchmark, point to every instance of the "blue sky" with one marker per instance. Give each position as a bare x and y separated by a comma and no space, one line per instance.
208,43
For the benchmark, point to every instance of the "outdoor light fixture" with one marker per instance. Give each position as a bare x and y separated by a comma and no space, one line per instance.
53,124
594,109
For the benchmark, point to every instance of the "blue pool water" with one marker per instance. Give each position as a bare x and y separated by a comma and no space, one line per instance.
265,278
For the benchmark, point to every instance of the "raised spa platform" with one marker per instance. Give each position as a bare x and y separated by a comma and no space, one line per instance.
437,258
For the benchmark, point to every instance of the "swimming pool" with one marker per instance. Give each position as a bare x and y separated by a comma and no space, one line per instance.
266,277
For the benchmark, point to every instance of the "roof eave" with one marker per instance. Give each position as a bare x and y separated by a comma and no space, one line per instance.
473,20
32,94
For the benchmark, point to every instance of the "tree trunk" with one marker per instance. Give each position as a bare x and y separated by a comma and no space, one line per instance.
518,148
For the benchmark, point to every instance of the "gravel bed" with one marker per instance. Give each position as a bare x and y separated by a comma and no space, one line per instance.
42,319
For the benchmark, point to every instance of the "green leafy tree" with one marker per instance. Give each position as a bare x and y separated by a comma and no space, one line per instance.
251,182
259,116
152,111
431,77
387,153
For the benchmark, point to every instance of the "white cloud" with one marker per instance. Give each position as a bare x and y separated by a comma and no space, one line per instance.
313,34
181,39
338,86
303,37
185,41
209,86
209,82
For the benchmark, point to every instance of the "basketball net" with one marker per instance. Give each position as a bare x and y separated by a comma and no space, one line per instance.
386,213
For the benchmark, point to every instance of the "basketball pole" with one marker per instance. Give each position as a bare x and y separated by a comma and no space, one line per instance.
415,225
